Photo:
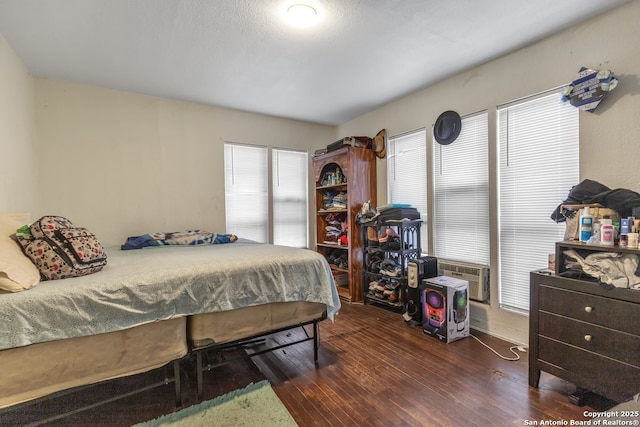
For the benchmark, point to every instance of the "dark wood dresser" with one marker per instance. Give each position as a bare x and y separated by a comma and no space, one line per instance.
583,333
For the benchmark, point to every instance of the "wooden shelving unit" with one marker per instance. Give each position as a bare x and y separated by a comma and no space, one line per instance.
357,179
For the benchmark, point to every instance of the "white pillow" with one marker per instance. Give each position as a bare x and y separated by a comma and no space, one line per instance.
17,272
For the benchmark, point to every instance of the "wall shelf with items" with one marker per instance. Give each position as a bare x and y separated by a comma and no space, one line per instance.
388,247
344,180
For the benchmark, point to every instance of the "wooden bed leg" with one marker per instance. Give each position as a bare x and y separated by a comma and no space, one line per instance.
199,373
176,379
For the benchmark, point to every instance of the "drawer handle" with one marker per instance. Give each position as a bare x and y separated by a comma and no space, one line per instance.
588,309
587,337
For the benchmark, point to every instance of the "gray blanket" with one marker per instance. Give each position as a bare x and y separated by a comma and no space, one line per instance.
147,285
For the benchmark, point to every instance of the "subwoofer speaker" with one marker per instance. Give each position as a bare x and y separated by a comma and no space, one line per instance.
418,269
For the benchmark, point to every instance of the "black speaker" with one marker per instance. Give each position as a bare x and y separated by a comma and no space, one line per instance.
418,269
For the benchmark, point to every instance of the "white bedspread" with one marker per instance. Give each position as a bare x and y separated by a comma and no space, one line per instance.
142,286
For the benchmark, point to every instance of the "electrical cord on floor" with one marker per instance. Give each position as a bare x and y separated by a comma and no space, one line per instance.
511,349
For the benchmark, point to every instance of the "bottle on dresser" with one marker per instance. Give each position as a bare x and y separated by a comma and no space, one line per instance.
628,231
586,224
607,232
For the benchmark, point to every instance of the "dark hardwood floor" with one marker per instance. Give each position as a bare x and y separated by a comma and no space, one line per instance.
373,369
376,370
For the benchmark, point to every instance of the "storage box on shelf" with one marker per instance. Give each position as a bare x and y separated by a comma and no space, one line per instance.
344,180
388,247
583,333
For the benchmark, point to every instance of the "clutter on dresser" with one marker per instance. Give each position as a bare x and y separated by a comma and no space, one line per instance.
598,215
608,266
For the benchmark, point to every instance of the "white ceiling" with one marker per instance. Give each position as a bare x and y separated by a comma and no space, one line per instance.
240,54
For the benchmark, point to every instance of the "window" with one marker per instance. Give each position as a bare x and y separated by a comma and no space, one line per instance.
461,193
407,174
246,191
247,194
290,198
538,164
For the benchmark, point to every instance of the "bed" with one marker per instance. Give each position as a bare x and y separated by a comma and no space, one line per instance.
148,308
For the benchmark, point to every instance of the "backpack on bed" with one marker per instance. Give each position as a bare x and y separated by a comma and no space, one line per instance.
60,249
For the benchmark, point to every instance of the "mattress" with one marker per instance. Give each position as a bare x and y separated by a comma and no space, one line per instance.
40,369
143,286
225,326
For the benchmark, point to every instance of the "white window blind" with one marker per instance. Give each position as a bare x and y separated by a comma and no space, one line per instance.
461,193
246,191
290,197
538,142
407,174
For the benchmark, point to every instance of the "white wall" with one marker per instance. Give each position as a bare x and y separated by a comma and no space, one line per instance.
609,137
123,164
18,171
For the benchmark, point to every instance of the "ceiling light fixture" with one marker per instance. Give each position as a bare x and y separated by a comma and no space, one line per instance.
302,15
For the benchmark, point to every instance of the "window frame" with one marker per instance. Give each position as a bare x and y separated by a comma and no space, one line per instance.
414,140
527,235
246,195
461,189
302,201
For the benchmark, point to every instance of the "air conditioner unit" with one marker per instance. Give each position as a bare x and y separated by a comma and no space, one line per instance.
476,274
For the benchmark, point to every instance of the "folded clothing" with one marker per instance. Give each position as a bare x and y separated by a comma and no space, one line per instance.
188,237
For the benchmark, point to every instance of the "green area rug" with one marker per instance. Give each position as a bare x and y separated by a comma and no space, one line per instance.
255,405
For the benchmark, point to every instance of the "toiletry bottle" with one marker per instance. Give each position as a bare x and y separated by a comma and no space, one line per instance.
586,224
606,232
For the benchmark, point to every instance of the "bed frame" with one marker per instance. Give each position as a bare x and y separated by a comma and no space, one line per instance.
70,333
44,371
201,351
171,374
176,334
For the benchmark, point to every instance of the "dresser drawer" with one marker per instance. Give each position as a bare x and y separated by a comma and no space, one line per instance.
621,346
615,314
600,374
